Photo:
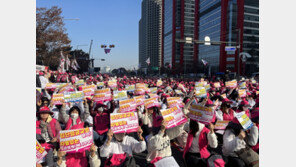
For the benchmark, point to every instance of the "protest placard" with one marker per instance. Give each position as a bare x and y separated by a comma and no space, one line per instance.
207,86
51,86
139,100
80,82
244,120
201,113
102,95
242,93
221,125
128,105
65,88
40,152
119,95
181,87
58,99
242,85
100,84
73,96
124,122
140,91
153,90
151,102
224,95
175,101
76,140
200,92
217,85
89,90
173,116
159,83
231,84
179,92
152,95
130,88
112,84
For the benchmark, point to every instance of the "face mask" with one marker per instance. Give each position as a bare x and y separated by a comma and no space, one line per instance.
74,115
100,109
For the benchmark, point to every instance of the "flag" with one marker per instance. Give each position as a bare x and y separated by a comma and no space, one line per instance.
148,61
204,62
107,51
67,63
76,64
62,62
73,65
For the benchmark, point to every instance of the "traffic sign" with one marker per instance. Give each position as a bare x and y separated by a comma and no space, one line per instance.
230,48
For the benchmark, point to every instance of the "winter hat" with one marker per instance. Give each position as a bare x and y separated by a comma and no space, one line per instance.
41,73
244,103
44,110
74,108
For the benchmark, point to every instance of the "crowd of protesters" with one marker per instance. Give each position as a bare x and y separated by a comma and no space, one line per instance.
199,143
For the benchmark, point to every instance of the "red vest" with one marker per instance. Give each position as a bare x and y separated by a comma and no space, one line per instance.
76,159
101,122
52,125
202,143
78,125
229,116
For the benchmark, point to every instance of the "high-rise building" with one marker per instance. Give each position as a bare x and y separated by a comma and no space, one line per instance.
150,34
179,23
232,21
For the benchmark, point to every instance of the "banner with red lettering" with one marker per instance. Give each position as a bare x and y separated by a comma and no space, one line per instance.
175,101
124,122
128,105
89,90
40,152
242,93
231,84
76,140
151,102
112,84
153,95
201,113
58,99
217,85
173,116
51,85
102,95
139,100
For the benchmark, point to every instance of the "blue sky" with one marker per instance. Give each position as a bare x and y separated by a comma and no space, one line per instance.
105,22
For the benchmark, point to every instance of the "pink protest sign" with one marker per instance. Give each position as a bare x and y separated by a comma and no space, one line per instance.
128,105
151,102
175,101
89,90
173,116
102,95
77,140
40,152
124,122
58,99
139,100
201,114
231,84
221,125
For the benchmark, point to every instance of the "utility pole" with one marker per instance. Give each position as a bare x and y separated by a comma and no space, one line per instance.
92,60
238,56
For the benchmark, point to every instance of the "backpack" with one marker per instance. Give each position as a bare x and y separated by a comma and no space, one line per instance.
121,160
215,161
